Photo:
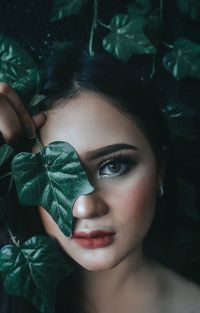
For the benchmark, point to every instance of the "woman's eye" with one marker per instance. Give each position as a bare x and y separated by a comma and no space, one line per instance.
113,168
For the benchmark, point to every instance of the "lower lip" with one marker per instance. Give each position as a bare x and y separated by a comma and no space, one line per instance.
94,242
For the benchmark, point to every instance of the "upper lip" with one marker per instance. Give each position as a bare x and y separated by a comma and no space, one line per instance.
95,233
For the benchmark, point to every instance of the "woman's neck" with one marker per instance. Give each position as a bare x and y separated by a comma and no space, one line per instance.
126,282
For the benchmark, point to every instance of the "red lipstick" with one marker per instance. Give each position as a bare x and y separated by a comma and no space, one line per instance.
94,239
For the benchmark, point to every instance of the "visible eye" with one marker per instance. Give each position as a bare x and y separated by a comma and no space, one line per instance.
115,167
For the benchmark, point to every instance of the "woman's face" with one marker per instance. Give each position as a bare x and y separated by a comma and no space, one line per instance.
121,167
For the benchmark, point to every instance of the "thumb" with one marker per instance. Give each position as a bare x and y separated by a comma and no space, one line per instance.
39,119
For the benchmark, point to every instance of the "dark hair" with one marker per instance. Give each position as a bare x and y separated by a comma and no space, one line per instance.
106,75
67,78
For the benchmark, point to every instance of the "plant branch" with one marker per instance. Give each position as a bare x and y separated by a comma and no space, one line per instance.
153,66
39,143
3,176
94,22
104,25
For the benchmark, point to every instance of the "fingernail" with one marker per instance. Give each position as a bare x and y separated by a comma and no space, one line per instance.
30,131
45,113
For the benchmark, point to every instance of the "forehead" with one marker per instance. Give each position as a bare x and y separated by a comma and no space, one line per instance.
88,122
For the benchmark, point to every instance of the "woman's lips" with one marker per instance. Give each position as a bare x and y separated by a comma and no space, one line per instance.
94,239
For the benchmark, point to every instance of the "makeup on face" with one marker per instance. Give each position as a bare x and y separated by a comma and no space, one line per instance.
110,223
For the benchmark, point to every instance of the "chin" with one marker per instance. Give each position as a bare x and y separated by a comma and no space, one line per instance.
98,264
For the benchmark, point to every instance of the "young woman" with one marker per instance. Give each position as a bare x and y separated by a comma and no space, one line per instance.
114,123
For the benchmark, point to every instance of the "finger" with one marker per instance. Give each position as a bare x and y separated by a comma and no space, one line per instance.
10,126
23,115
39,119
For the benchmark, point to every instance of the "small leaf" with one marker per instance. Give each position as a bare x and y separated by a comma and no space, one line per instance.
33,270
52,178
64,8
190,8
184,60
17,68
127,37
181,120
6,152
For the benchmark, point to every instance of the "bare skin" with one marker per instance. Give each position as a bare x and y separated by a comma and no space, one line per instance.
125,281
15,120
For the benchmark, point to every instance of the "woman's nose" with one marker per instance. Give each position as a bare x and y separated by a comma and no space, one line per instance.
89,206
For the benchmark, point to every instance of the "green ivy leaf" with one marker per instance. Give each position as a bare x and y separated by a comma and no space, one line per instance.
17,68
184,60
6,152
127,37
181,120
189,8
33,270
64,8
52,178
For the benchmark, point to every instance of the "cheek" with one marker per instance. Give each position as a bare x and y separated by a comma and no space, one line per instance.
52,229
137,201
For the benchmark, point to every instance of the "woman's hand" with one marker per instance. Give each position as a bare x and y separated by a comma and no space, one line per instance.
14,118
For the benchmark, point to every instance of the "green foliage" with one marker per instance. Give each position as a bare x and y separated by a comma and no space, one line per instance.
181,120
127,37
190,8
184,60
52,178
139,32
33,270
6,152
64,8
17,68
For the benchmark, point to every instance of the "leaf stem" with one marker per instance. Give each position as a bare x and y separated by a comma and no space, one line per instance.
103,24
167,45
13,238
94,22
153,66
161,9
8,174
39,143
10,185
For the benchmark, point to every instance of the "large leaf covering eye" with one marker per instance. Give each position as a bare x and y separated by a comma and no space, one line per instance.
17,68
127,37
33,270
52,178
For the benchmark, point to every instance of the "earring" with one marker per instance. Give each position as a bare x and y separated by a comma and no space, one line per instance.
160,191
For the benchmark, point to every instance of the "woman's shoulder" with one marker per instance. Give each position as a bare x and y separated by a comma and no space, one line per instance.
179,294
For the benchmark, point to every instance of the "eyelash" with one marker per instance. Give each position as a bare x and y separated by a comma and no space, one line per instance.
117,158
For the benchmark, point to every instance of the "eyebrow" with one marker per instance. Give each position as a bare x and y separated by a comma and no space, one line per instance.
97,153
